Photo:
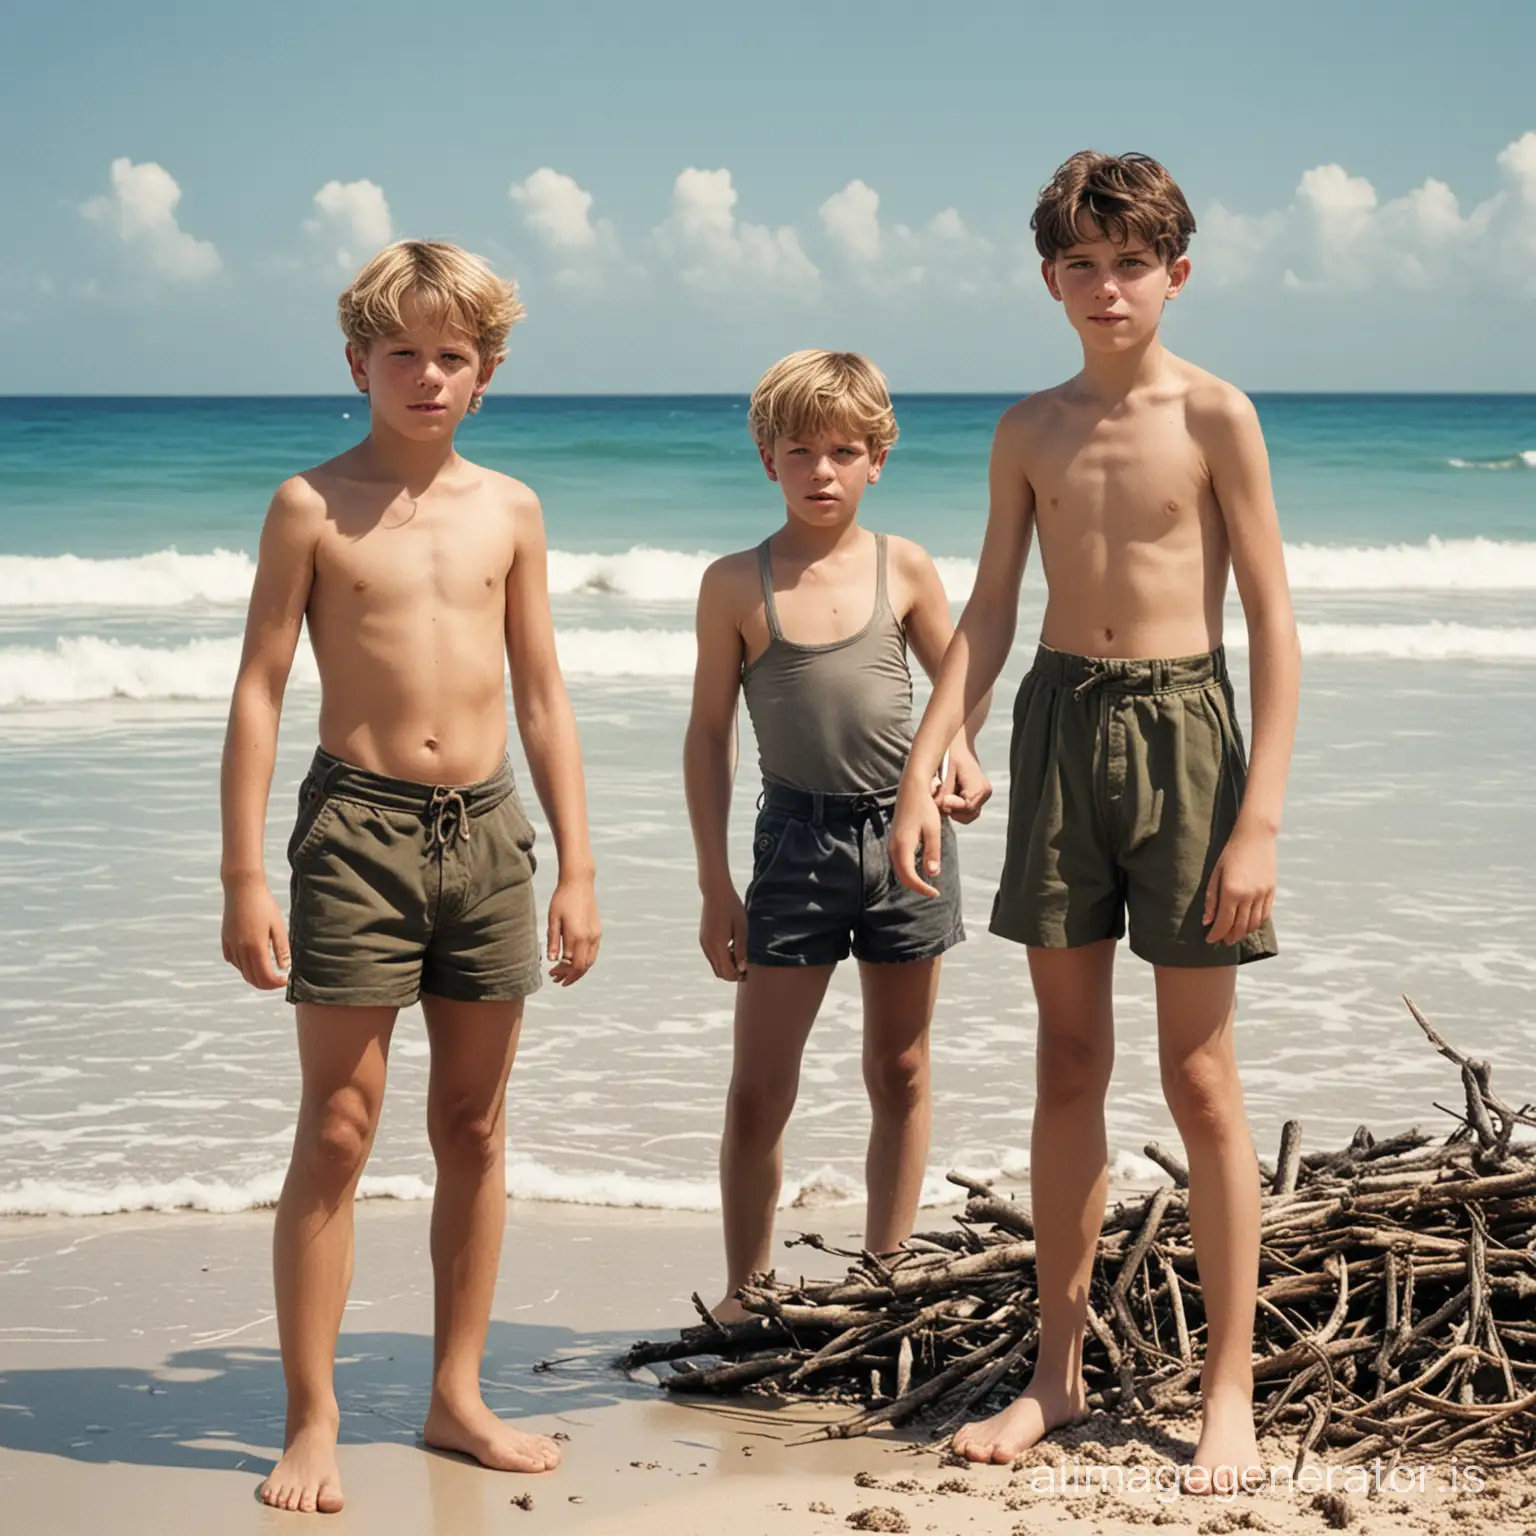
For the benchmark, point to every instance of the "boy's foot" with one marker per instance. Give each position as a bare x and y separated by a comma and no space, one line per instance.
1228,1452
1028,1419
473,1430
306,1479
730,1311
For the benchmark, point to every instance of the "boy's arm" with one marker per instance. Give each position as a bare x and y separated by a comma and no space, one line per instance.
929,630
709,766
978,650
253,931
1242,888
547,726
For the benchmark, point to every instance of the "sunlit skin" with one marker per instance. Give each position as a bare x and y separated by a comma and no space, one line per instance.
1148,483
422,578
824,569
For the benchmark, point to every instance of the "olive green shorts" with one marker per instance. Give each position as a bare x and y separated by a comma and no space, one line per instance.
401,888
1127,777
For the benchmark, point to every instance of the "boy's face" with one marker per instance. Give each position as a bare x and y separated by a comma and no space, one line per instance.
1113,294
822,476
422,379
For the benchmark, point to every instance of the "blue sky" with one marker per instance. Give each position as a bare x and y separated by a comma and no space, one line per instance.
701,188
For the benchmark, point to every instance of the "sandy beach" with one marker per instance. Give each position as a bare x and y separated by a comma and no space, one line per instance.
140,1391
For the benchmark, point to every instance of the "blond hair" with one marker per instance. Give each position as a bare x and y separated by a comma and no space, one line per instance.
450,286
1127,197
809,392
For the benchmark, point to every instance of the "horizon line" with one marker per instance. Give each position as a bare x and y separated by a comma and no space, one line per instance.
725,394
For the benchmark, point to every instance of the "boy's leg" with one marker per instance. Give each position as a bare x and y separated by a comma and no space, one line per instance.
343,1053
898,1009
775,1008
1069,1184
1195,1007
472,1046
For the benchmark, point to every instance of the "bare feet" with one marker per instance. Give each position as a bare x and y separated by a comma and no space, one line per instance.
306,1478
1029,1418
730,1311
473,1430
1227,1457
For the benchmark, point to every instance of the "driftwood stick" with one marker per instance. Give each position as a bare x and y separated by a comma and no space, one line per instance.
1288,1163
1176,1305
1168,1163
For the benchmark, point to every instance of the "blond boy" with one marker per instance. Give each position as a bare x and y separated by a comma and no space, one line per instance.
421,577
813,627
1147,481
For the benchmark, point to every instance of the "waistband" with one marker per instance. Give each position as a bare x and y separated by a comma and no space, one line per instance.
1131,675
450,807
815,806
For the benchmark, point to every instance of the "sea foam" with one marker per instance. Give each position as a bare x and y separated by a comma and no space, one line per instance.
169,580
85,668
1523,460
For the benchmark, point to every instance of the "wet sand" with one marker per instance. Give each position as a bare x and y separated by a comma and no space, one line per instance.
140,1392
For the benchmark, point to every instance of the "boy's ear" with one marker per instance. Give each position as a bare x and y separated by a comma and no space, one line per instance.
766,455
487,370
876,464
1178,275
1048,272
358,363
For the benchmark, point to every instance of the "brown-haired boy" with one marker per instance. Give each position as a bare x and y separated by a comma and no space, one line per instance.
1148,481
421,577
813,626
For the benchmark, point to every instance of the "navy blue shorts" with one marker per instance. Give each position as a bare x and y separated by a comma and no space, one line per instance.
823,884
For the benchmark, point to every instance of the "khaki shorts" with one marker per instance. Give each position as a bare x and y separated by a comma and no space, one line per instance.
1127,777
402,888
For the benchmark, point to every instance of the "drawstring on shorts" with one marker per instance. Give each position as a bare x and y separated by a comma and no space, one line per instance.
450,817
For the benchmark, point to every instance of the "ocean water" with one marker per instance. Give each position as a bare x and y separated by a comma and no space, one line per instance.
136,1070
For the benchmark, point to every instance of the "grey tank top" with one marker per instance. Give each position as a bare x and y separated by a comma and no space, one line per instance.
836,717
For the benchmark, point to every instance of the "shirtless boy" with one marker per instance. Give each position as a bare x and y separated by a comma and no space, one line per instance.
421,576
813,626
1147,481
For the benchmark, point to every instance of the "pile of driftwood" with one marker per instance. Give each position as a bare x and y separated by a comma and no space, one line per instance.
1397,1303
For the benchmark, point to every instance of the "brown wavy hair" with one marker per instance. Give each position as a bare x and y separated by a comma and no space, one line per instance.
1130,198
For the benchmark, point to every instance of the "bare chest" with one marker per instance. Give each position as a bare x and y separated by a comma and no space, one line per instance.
1123,482
421,565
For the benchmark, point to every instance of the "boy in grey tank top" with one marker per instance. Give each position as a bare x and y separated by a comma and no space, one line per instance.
813,627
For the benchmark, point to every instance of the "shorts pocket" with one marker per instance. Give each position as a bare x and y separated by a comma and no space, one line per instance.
769,838
316,812
523,833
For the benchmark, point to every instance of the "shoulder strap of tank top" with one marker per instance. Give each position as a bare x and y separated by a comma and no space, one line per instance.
770,608
882,587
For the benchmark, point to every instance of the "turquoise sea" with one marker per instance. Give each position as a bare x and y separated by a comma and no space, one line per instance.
135,1069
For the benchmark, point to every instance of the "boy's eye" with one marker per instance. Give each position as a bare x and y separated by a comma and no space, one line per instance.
453,357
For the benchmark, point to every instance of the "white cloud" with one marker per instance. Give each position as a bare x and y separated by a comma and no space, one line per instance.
556,209
851,219
1338,235
943,250
141,210
352,219
714,251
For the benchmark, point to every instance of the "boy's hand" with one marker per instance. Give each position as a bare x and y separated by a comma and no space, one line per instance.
916,822
966,788
1241,895
253,933
574,930
723,934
